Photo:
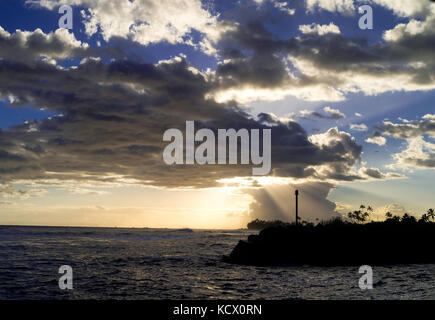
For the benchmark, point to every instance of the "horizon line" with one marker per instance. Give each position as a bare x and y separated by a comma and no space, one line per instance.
114,227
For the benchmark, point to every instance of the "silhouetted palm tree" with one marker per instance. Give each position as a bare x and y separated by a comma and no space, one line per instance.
361,216
431,214
424,218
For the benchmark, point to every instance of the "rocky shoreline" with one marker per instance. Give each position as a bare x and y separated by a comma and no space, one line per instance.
338,243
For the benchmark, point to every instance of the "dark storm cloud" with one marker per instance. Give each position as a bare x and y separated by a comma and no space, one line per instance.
113,118
112,115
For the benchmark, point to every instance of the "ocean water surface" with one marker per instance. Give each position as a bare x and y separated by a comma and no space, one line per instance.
121,263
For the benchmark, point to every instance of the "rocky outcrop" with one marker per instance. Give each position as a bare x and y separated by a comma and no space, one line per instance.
338,244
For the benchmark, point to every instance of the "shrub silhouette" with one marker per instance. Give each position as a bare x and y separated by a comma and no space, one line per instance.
262,224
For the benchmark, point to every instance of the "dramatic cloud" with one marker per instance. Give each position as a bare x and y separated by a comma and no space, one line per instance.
419,152
322,64
26,46
406,8
111,113
112,120
276,202
336,140
406,31
146,21
319,65
410,129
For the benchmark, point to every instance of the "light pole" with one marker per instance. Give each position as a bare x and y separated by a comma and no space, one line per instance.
297,194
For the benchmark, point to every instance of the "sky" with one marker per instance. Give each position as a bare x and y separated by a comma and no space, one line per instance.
83,110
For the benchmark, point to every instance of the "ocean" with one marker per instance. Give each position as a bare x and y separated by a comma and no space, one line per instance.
123,263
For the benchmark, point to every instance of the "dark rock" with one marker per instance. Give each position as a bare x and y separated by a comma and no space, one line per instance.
338,243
